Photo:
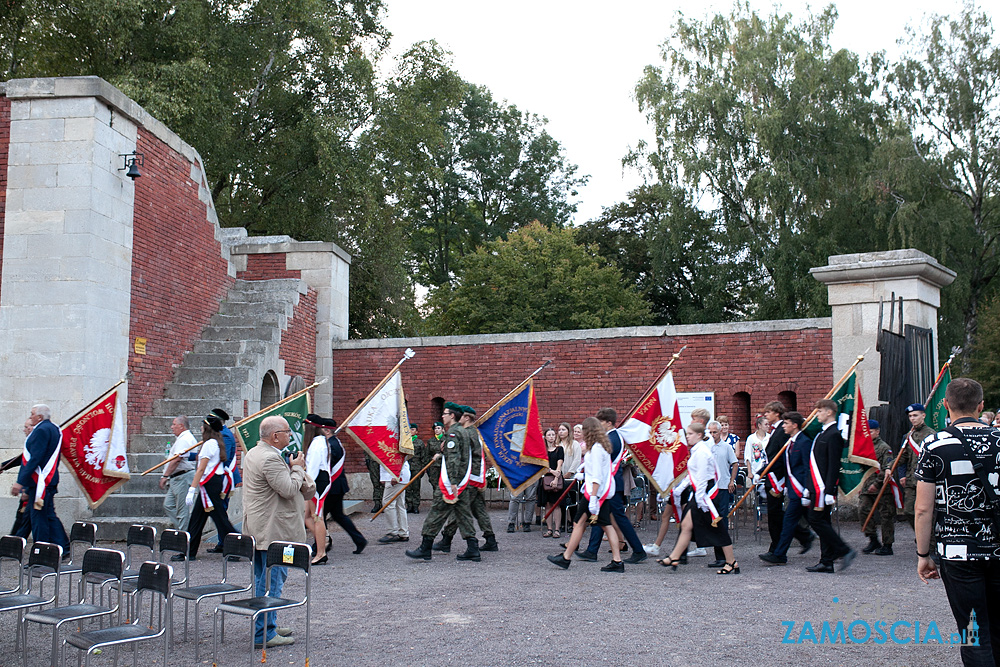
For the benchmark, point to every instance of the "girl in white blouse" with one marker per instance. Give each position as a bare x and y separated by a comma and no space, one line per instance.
317,467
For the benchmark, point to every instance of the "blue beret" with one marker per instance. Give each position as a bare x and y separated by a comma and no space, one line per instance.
915,407
872,425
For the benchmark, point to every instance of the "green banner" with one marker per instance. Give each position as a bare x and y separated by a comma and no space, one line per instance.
293,409
937,415
858,446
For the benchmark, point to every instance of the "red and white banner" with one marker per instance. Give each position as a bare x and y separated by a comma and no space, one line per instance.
655,436
381,425
93,446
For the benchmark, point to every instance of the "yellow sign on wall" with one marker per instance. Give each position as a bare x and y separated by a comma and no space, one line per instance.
140,346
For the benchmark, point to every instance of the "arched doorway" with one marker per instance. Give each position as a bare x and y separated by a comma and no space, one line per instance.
740,422
789,400
270,390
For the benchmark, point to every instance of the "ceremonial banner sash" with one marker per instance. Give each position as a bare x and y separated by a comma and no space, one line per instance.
48,470
511,435
479,479
294,409
796,484
606,482
337,469
778,485
381,425
93,446
654,434
450,491
206,502
897,493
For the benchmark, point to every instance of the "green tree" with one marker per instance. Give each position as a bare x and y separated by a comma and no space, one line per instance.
538,279
984,362
948,89
760,122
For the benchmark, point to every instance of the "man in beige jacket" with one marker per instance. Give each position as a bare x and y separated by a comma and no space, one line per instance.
273,511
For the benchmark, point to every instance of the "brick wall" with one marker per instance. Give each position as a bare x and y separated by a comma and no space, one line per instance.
298,342
178,273
590,373
4,146
267,266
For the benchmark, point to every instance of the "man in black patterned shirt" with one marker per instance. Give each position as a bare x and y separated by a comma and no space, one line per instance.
951,495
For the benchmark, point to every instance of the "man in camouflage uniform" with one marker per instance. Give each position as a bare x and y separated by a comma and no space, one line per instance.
886,506
433,448
457,458
911,452
477,502
377,487
417,463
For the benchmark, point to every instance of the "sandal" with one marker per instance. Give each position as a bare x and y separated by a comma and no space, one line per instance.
555,533
547,533
730,568
668,562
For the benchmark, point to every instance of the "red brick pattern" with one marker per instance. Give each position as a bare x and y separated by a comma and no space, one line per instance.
298,342
4,147
178,273
267,266
588,374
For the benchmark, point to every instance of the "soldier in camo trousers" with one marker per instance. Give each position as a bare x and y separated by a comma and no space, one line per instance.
417,463
886,506
377,487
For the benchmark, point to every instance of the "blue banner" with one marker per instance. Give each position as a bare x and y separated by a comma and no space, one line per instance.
512,436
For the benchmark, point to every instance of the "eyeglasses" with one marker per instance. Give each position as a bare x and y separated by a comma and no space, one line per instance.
287,431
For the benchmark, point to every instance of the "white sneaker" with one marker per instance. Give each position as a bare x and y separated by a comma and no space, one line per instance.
651,549
697,551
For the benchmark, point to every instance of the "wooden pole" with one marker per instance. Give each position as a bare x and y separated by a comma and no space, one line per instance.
763,473
895,463
235,425
568,487
412,480
652,387
407,354
489,413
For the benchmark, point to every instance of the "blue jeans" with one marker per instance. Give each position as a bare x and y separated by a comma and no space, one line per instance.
617,502
278,576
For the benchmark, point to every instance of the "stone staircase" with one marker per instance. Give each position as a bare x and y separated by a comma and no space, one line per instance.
226,367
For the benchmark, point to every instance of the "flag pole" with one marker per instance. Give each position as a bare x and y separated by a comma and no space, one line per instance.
812,415
236,425
652,387
408,353
553,508
489,413
895,463
412,480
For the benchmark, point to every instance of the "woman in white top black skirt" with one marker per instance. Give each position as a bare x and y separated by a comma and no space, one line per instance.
598,485
205,495
317,467
700,515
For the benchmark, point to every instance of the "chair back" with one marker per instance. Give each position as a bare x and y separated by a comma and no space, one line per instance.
139,536
154,583
289,554
44,558
176,542
106,562
82,532
12,549
237,546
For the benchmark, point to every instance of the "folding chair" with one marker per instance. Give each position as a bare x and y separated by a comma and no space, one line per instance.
235,547
43,557
12,549
279,554
154,581
98,565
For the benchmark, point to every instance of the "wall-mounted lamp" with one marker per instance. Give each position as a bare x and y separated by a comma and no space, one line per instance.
132,163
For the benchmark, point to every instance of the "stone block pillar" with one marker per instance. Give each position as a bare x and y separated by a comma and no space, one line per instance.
856,284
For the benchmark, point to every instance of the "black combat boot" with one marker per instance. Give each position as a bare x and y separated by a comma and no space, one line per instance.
873,545
422,552
472,552
444,544
490,544
884,550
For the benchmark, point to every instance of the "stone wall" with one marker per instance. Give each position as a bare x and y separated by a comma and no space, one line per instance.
179,273
746,364
4,146
298,342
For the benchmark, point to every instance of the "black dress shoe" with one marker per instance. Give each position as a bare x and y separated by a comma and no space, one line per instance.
884,550
873,545
847,559
806,546
635,558
586,555
614,566
217,549
358,548
820,567
560,560
717,563
772,559
510,528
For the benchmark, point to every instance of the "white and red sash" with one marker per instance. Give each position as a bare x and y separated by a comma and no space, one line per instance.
915,446
319,499
711,491
778,485
450,491
819,502
605,484
337,469
792,479
897,493
617,461
479,479
42,476
206,502
228,479
675,496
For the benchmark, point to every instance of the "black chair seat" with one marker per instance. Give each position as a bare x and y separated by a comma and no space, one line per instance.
106,636
57,614
10,602
195,592
248,606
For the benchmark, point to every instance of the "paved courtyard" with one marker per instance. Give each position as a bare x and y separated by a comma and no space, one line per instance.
514,608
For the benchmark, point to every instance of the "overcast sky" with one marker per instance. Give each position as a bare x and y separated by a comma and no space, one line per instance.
576,62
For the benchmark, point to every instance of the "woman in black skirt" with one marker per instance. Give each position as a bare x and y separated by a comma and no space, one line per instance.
701,517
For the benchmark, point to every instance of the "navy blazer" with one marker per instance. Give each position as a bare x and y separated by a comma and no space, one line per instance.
42,441
797,457
616,447
774,444
339,486
827,449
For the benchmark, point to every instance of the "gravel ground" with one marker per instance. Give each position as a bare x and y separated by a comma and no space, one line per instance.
514,608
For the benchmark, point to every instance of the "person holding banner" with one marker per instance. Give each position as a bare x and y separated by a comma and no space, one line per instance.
886,505
916,413
334,505
39,478
205,494
316,431
797,471
179,473
477,482
598,487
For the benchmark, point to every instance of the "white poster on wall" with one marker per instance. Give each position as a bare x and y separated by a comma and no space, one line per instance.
687,401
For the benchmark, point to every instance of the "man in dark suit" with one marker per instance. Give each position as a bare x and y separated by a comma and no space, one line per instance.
796,478
334,506
39,478
775,482
827,448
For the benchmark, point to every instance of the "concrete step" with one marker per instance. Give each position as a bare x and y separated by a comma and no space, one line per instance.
212,360
251,309
125,503
208,390
150,443
229,346
115,529
266,317
195,375
289,285
194,406
266,333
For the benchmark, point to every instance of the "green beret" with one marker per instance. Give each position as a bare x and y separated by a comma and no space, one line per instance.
439,424
412,425
452,406
468,410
